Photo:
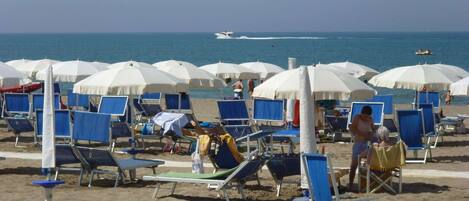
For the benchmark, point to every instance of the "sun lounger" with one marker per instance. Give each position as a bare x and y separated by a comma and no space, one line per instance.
38,102
151,98
15,103
222,179
318,171
429,98
380,168
411,128
233,112
77,100
64,155
283,165
117,107
377,111
19,125
97,129
429,123
62,125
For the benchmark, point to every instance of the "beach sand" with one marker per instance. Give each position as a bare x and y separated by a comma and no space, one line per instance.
17,174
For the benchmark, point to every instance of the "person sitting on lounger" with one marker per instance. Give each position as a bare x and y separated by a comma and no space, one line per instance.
362,130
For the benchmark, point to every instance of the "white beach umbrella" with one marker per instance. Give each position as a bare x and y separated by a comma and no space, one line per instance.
460,88
129,63
17,62
335,68
415,77
230,70
100,64
10,77
453,70
195,77
359,71
71,71
266,70
325,85
32,67
129,80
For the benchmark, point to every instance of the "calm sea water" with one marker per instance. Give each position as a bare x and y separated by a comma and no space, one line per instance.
381,51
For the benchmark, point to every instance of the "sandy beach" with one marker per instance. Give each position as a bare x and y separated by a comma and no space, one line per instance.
419,184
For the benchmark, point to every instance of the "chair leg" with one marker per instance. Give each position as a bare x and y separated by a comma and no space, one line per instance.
118,176
91,179
56,173
173,188
80,178
17,139
241,191
279,187
225,194
155,193
258,180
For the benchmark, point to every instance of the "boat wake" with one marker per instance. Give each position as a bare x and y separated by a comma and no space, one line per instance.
273,38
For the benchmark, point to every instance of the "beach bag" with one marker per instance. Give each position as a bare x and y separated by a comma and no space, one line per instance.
197,162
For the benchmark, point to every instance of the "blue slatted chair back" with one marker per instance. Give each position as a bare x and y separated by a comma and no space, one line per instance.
172,101
152,96
91,127
428,117
411,127
120,129
38,101
113,105
64,155
62,123
56,88
224,159
16,103
429,98
387,100
318,176
376,107
80,100
268,110
233,112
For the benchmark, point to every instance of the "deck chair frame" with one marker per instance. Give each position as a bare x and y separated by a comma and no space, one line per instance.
425,145
329,171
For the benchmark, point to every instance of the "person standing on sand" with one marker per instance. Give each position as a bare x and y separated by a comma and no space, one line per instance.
238,89
251,86
448,98
362,130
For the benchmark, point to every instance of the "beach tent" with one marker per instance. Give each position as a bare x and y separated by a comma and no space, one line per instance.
71,71
195,77
230,70
10,77
266,70
358,70
32,67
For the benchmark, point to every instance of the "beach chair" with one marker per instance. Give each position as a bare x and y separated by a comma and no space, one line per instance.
64,156
15,104
233,112
62,125
172,103
429,98
281,166
411,130
223,180
430,123
117,107
268,111
95,127
151,98
38,102
19,125
386,100
318,172
77,100
377,111
381,167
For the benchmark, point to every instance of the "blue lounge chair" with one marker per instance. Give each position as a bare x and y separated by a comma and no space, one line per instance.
429,98
77,100
64,155
19,125
386,100
429,122
233,112
223,180
117,107
62,124
377,111
151,98
96,127
15,103
317,168
411,130
172,103
281,166
268,111
38,102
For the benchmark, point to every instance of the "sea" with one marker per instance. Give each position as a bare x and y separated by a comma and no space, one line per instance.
381,51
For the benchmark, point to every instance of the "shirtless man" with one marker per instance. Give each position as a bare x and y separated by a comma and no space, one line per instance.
238,89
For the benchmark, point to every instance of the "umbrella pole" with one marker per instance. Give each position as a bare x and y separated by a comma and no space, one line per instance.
179,103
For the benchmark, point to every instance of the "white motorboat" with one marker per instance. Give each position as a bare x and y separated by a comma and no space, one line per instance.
224,35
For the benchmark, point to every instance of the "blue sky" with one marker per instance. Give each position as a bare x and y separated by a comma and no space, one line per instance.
32,16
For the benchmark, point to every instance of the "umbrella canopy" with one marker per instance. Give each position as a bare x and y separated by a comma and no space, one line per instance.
357,70
335,68
129,80
195,77
452,70
32,67
460,88
416,77
17,62
325,85
230,70
100,64
10,77
265,70
48,128
129,63
71,71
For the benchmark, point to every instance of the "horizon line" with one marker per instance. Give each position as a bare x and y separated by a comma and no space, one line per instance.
187,32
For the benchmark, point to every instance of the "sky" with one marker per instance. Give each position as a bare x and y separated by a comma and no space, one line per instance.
58,16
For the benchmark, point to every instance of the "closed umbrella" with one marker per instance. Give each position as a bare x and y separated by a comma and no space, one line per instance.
266,70
10,77
129,80
32,67
359,71
195,77
17,62
325,85
71,71
416,77
230,70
